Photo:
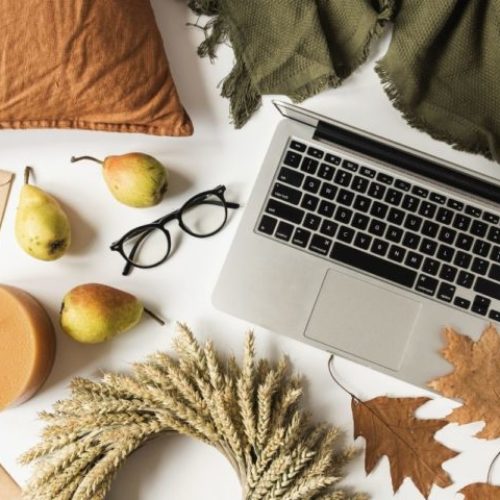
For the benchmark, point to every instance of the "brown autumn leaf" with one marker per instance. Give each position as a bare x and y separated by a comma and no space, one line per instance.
481,491
475,380
390,428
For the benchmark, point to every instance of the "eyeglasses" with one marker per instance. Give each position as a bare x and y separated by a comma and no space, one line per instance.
149,246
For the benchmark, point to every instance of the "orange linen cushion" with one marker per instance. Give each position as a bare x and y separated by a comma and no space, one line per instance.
91,64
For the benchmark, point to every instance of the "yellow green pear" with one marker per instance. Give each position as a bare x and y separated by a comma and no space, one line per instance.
42,228
93,313
135,179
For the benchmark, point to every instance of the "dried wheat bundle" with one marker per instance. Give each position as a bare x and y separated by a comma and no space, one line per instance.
250,413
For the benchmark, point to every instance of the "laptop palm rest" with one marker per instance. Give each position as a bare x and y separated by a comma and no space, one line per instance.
362,319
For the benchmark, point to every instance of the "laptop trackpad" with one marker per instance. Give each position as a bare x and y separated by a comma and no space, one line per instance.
362,319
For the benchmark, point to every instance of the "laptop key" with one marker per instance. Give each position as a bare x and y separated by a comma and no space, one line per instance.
410,203
480,266
380,247
333,159
394,234
495,254
427,285
411,240
488,288
286,193
267,224
367,172
474,211
430,229
320,244
376,190
298,146
312,222
445,253
301,237
494,315
360,221
343,178
396,216
491,218
316,153
494,273
403,185
444,216
310,202
420,191
309,166
437,198
362,241
377,227
373,265
360,184
428,247
291,177
447,235
494,234
345,234
328,191
413,222
431,266
414,260
326,208
328,228
379,210
427,209
385,178
480,305
292,159
362,203
455,204
465,279
446,292
350,165
397,253
311,184
462,303
464,241
345,197
284,231
461,222
283,211
326,172
462,259
479,228
481,248
343,215
448,273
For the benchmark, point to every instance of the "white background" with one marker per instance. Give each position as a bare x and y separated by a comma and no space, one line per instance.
175,467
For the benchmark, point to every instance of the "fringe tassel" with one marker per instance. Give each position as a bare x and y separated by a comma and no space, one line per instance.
421,123
238,88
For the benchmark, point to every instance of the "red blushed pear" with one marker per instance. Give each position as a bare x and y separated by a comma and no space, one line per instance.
93,313
135,179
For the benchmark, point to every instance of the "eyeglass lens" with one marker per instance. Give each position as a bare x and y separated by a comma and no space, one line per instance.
146,247
205,215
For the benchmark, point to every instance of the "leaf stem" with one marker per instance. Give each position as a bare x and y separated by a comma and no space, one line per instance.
27,172
154,316
74,159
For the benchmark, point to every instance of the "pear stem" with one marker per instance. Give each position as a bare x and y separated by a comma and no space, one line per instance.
27,172
74,159
154,316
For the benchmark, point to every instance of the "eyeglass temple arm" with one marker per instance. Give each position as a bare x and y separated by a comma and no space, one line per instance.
128,266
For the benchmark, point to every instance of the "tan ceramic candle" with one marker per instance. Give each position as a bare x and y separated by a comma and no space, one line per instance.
27,346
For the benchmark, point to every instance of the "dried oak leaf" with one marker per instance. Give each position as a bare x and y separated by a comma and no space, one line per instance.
475,380
390,428
481,491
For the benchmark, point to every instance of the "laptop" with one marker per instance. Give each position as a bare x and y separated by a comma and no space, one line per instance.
364,247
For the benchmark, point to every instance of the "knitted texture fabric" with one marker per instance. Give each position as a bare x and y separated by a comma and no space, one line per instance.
441,69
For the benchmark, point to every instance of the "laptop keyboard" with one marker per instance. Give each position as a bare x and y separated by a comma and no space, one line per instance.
389,227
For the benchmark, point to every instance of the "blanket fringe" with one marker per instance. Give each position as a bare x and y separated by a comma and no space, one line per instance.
244,99
420,123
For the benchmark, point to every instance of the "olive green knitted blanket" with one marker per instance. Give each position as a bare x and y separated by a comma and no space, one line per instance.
442,68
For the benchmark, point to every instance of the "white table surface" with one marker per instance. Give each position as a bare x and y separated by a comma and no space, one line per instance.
175,467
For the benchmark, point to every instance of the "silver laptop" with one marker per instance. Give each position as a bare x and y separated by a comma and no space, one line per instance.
365,248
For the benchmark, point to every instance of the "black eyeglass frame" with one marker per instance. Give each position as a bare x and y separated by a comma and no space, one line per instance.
160,224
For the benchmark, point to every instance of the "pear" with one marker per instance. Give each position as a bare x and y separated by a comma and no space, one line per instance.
134,179
93,313
42,228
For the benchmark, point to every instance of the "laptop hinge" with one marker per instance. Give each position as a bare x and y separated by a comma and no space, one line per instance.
407,161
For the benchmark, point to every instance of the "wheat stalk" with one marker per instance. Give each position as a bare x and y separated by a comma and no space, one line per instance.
251,413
